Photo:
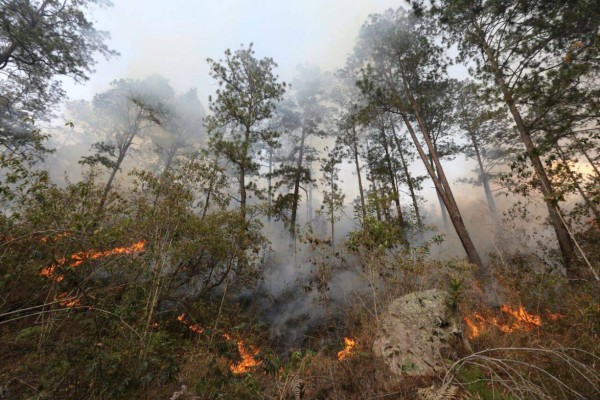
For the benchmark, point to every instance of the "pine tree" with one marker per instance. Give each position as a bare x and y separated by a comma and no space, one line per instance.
525,52
246,98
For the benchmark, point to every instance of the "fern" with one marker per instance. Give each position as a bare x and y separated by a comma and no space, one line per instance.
446,392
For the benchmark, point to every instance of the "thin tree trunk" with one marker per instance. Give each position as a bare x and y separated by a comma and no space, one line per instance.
207,201
171,156
123,149
270,184
332,210
297,179
243,194
575,181
409,181
440,201
109,184
242,176
309,198
209,192
122,153
360,185
484,179
392,177
564,241
587,156
445,193
378,192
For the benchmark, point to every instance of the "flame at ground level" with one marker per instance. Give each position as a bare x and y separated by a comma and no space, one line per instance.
519,319
349,346
67,301
247,355
193,327
82,256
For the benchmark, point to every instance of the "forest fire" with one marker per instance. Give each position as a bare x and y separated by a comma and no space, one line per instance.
247,355
65,301
56,237
192,327
518,320
349,347
82,256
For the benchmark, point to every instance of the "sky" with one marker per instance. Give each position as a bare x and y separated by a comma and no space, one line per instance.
174,38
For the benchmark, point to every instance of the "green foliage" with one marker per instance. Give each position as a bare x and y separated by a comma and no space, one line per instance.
375,235
42,41
115,332
299,359
246,97
455,289
476,382
17,176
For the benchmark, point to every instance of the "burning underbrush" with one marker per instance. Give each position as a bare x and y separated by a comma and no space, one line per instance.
76,259
315,340
510,320
248,354
349,349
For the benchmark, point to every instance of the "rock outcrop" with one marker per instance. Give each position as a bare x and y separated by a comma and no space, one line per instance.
419,332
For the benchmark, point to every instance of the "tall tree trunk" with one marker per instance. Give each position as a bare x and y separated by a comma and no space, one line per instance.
297,179
270,186
243,194
392,176
309,197
409,181
564,241
440,201
171,156
211,184
360,185
332,210
484,179
109,183
242,175
123,149
442,187
378,191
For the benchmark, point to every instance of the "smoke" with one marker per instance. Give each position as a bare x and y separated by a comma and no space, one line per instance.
303,287
174,40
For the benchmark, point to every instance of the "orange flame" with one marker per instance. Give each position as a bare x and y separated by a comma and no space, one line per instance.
67,302
521,321
82,256
247,355
248,360
349,345
181,318
194,328
56,237
523,316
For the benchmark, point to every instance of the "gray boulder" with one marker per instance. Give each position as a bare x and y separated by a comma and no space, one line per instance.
418,332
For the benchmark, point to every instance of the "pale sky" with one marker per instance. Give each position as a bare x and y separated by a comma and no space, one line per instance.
174,37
